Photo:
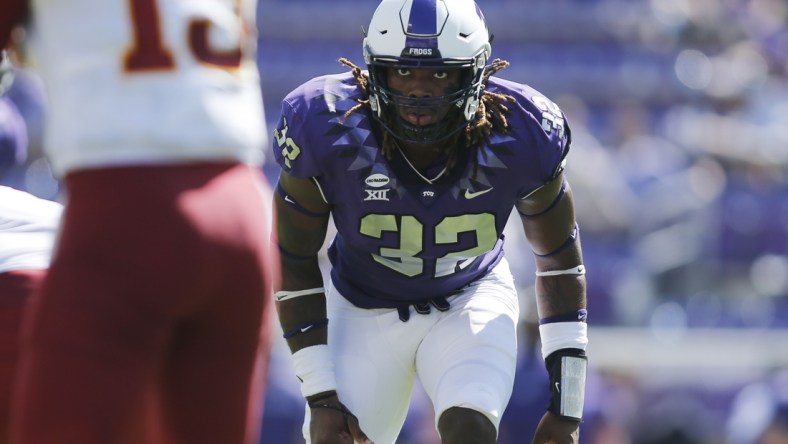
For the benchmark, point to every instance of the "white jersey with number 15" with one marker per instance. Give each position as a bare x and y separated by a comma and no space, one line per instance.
177,79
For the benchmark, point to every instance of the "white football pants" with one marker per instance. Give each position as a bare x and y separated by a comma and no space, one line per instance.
464,357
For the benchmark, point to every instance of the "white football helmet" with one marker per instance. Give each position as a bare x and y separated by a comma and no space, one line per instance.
428,34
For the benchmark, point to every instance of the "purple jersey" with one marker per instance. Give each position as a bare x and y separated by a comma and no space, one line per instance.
401,239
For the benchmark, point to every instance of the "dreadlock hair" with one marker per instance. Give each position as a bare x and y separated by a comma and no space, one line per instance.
490,114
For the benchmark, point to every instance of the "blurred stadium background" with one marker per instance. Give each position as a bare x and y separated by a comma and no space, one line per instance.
679,115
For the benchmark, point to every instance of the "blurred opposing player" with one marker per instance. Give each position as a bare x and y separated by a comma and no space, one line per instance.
151,325
420,161
27,232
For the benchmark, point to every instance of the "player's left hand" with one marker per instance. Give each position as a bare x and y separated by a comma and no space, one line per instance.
554,430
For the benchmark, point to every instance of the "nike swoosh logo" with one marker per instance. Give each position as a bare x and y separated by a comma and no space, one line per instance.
304,329
470,195
557,387
289,199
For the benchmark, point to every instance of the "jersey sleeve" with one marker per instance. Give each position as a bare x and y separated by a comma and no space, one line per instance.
550,135
292,139
557,143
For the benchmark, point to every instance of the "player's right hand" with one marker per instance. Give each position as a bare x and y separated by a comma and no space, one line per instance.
333,423
555,430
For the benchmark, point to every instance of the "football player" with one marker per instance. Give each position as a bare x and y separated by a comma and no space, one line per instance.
151,322
419,159
27,232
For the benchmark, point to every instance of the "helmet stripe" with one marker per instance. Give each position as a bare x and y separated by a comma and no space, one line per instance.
422,24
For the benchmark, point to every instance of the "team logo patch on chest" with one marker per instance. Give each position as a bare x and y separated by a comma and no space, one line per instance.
377,180
428,195
377,194
376,183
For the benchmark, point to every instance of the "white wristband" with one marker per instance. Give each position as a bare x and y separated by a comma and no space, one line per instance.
574,271
560,335
313,366
285,295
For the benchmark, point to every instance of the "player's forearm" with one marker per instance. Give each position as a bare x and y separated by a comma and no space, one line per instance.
301,303
303,321
561,283
561,304
554,237
302,220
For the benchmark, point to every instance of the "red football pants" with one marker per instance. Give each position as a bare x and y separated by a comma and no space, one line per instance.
16,289
152,325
